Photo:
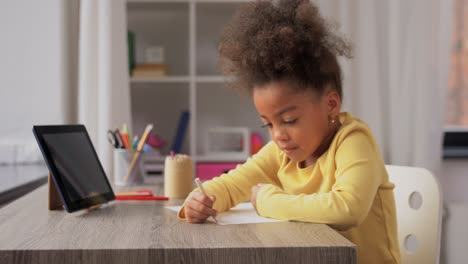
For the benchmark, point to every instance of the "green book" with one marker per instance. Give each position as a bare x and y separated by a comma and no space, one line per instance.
131,51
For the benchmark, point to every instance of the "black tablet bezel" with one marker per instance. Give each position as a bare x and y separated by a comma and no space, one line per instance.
69,205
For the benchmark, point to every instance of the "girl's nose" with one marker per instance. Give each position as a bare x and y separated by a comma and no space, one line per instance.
280,135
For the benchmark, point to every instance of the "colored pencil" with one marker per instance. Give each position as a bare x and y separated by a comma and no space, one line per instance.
139,197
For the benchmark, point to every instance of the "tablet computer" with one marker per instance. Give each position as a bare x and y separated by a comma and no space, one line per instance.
74,166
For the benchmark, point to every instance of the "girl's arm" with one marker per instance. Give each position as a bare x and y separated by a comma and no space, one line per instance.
359,173
235,186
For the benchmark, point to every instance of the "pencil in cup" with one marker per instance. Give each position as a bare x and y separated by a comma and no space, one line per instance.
139,149
200,186
133,170
122,159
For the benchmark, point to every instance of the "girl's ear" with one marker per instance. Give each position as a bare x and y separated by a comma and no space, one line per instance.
333,101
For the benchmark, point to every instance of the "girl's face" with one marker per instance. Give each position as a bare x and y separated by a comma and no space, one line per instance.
298,121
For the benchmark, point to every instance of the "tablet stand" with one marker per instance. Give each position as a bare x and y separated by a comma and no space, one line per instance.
55,203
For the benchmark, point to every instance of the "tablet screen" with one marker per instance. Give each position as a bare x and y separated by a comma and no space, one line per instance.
75,162
74,166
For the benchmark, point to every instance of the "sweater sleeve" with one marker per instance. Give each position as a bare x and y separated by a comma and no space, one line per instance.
358,176
235,186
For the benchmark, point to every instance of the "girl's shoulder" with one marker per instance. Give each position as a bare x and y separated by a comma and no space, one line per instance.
349,122
352,125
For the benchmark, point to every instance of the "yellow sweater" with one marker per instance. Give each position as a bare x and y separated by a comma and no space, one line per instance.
347,188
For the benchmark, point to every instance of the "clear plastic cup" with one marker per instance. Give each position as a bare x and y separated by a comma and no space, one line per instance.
128,167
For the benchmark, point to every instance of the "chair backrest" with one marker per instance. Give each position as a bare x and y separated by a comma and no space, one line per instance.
419,213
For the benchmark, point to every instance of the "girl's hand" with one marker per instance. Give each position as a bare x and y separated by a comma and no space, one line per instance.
198,207
253,197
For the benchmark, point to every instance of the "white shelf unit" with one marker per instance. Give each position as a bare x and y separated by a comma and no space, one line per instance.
189,31
169,79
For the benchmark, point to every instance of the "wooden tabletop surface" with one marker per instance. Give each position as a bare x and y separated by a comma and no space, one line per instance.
146,232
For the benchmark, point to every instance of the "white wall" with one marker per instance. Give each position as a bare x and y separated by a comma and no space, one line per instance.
34,72
454,182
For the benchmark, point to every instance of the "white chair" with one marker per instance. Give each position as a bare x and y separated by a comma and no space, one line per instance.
419,213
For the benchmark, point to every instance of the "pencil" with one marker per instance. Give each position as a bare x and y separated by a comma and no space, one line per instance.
135,193
139,197
139,149
200,186
144,136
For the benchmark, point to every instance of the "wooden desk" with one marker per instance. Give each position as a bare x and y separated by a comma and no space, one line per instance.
145,232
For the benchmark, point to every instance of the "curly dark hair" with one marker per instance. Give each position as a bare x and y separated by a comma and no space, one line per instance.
285,40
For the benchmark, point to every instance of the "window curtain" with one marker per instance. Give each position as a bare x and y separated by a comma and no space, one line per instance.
103,78
397,81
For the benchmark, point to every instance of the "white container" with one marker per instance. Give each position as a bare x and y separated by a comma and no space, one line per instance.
154,54
230,143
123,174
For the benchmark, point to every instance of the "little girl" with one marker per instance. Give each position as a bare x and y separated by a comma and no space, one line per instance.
322,165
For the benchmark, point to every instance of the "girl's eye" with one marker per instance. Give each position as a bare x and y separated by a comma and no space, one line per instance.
269,125
290,122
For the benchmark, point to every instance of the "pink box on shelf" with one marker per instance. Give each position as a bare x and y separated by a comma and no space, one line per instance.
208,170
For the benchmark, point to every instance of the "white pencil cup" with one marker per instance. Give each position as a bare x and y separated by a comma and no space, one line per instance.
124,175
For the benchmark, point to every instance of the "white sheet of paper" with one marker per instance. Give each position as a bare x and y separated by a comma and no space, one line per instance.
243,213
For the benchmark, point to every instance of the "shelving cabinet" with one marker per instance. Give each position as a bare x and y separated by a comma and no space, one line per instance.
189,32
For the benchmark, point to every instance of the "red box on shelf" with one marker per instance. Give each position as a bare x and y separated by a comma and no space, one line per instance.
208,170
